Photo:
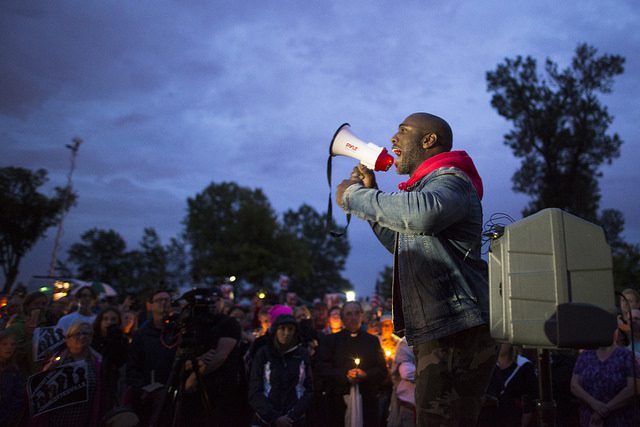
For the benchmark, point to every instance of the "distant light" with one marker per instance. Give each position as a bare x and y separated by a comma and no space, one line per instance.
44,289
262,295
388,353
232,279
351,295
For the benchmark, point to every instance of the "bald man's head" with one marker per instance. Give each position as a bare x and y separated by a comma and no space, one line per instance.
420,136
431,123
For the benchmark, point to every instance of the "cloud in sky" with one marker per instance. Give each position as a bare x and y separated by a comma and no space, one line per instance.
170,96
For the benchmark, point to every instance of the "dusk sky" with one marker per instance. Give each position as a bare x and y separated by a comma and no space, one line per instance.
170,96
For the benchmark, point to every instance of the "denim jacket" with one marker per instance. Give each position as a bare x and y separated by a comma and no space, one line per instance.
434,231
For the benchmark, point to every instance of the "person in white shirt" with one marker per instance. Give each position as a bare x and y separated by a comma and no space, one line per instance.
87,298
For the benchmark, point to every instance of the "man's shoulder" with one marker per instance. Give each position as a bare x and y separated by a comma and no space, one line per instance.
447,173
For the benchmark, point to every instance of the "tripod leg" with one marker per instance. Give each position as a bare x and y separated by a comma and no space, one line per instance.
170,388
202,392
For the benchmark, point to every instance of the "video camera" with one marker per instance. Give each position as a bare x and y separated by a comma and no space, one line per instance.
191,323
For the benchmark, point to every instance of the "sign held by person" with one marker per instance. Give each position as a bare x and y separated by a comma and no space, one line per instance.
58,387
46,342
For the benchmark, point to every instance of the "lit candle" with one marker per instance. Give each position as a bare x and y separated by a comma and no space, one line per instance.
388,353
357,361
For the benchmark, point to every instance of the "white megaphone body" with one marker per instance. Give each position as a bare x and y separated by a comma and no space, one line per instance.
345,143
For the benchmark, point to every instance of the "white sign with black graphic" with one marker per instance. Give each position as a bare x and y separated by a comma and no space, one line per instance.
58,387
46,342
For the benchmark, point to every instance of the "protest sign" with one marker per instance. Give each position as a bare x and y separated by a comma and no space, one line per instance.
58,387
46,342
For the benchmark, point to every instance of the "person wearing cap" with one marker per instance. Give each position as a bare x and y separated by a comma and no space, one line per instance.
280,387
433,228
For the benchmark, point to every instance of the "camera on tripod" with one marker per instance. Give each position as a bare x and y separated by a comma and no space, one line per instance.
190,325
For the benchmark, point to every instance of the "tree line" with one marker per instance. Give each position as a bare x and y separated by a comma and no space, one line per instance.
228,230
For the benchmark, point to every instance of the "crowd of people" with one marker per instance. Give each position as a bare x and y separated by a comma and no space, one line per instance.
162,361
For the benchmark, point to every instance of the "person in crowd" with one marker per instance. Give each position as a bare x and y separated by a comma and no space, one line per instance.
57,309
264,320
308,334
513,389
373,326
292,299
85,413
273,312
402,408
280,387
629,300
301,312
12,402
221,370
334,322
246,338
240,314
150,359
112,344
348,357
603,380
311,338
129,324
87,298
13,308
634,340
433,228
22,326
389,342
320,315
257,305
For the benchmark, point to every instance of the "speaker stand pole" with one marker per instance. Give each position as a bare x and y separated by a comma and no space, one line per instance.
545,406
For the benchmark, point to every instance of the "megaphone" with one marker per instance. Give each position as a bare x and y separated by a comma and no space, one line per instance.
345,143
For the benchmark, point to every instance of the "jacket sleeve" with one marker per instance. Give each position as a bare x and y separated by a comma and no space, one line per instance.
301,406
441,203
385,235
257,399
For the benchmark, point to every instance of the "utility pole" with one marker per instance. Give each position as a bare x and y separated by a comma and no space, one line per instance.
67,200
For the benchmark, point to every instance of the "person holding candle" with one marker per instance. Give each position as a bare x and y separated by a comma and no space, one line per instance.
349,357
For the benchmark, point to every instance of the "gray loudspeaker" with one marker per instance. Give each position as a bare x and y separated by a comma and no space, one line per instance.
538,268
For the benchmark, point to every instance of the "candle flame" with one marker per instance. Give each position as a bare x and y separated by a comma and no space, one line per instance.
357,361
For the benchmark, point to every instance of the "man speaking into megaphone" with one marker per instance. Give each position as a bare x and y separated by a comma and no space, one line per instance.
433,228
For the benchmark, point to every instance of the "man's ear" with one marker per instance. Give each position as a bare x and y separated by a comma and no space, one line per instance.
430,140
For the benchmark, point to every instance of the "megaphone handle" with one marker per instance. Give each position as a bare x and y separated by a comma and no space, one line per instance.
330,207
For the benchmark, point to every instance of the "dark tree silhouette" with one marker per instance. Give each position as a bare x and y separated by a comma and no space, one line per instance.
560,127
314,260
560,131
25,216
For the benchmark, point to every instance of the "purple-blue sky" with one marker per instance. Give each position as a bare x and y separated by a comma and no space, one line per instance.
170,96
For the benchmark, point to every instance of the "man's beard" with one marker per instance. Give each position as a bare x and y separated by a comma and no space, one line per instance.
408,162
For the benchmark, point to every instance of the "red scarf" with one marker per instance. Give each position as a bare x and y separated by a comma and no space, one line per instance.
456,159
